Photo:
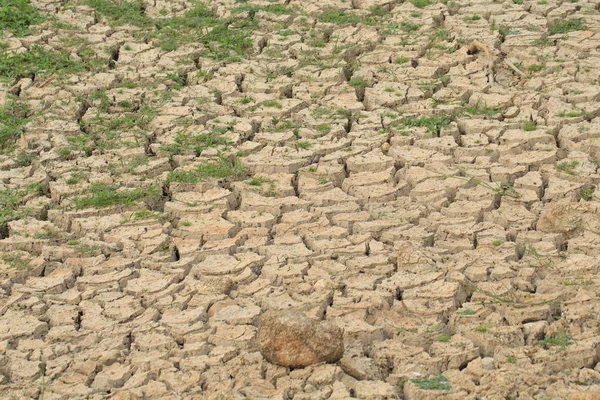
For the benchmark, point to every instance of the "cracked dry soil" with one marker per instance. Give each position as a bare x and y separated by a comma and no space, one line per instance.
419,173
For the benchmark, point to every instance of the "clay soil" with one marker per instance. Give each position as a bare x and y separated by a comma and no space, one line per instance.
421,174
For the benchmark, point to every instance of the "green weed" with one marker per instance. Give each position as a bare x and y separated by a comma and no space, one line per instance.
103,195
16,16
357,82
480,109
438,382
565,26
10,201
303,144
408,26
272,104
197,143
339,17
432,122
529,126
561,339
567,167
421,3
222,168
535,68
39,61
17,262
587,194
122,12
13,117
473,17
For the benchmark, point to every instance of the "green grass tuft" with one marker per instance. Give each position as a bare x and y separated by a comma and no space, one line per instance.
339,17
39,61
16,16
529,126
561,339
565,26
13,117
220,169
102,195
438,382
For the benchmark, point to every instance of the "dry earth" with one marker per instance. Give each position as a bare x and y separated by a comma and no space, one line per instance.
419,174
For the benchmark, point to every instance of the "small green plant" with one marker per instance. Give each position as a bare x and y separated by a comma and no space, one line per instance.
122,12
103,195
421,3
587,194
561,339
438,382
219,169
408,26
10,201
17,262
541,260
100,100
40,61
186,223
24,159
246,100
323,128
86,250
271,104
497,243
443,338
16,16
143,214
64,153
529,126
511,359
567,167
480,109
432,122
13,117
401,60
197,143
473,17
402,382
578,281
535,68
357,82
466,312
303,144
339,17
481,329
541,42
571,114
564,26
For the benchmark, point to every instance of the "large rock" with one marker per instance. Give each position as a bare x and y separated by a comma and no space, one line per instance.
290,339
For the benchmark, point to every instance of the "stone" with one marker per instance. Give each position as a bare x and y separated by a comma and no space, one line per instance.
290,339
488,363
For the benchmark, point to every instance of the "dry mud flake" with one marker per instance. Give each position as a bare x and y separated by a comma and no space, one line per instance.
290,339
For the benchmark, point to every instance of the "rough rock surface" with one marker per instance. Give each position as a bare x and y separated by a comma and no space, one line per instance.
290,339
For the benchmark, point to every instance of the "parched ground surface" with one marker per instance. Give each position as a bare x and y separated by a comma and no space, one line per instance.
420,174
